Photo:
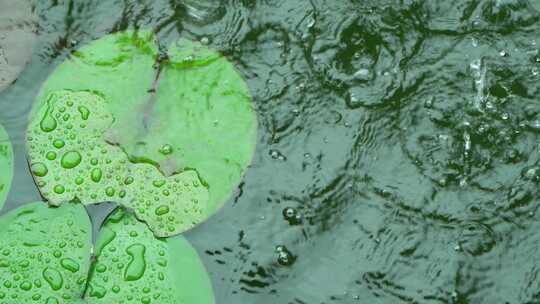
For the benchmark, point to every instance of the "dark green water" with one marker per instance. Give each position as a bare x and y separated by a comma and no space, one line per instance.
404,135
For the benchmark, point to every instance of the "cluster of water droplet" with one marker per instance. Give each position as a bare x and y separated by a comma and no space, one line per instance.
71,160
129,258
42,256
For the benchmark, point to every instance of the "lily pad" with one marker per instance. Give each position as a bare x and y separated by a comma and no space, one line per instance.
133,266
191,112
44,254
45,258
17,36
6,165
71,161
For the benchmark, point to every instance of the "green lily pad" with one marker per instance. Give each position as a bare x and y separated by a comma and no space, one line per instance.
193,114
133,266
70,160
45,258
6,165
44,254
17,36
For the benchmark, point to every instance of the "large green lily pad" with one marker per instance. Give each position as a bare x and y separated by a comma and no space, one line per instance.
70,160
133,266
17,35
44,254
193,114
6,165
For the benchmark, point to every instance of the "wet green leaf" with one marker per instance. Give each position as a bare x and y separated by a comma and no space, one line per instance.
192,115
17,35
70,160
133,266
6,165
44,254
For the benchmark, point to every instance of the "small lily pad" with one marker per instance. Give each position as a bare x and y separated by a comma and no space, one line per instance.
44,254
6,165
190,112
71,161
132,266
17,36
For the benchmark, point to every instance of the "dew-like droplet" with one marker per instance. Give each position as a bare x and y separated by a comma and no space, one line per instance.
52,300
48,123
25,285
109,191
71,159
59,143
85,113
166,149
51,155
97,291
101,268
70,264
159,183
128,180
137,265
53,277
79,180
59,189
161,210
39,169
96,174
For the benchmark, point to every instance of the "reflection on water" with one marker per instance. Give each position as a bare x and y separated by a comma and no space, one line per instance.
398,152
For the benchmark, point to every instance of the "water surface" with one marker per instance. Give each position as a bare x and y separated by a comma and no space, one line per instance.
398,148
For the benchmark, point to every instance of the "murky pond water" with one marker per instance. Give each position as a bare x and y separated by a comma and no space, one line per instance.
398,154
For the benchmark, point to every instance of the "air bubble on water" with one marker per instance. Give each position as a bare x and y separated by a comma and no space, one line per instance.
292,216
205,40
362,74
284,256
534,125
275,154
